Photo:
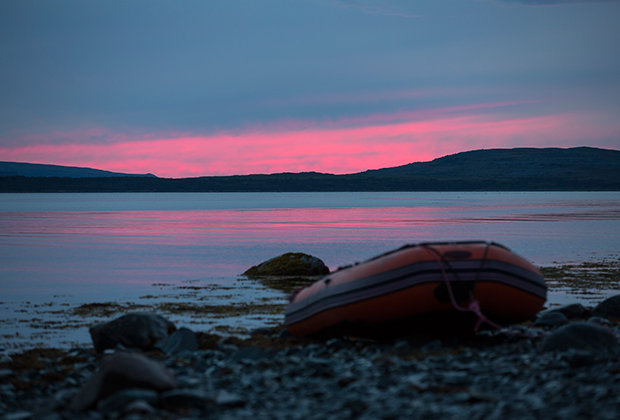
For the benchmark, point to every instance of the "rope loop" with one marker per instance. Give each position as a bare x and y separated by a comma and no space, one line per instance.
474,305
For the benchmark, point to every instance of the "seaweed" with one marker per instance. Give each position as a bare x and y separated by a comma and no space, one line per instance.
584,278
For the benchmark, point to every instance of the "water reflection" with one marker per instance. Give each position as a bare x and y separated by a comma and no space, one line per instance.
76,248
127,246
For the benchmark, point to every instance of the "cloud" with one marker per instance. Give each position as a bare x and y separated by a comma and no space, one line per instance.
342,146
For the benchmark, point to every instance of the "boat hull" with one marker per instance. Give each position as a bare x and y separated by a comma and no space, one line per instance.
419,286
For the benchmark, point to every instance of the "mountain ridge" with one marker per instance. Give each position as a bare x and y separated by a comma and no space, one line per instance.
518,169
59,171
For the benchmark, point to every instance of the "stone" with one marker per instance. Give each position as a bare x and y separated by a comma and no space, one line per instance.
285,333
63,397
581,336
289,264
181,340
551,319
18,415
118,401
139,407
600,321
134,330
572,311
578,358
608,308
252,353
185,398
264,331
120,371
228,399
482,377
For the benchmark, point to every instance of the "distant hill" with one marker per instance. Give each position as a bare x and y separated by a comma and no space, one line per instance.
40,170
521,169
510,163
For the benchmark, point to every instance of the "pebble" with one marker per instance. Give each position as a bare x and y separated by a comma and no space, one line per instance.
551,319
494,375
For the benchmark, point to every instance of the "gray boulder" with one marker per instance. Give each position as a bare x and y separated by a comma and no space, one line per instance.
609,308
123,370
134,330
581,336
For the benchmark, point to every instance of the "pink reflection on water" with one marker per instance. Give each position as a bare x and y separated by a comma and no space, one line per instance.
123,247
217,226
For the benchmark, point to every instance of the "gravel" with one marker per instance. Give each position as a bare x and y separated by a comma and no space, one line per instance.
494,375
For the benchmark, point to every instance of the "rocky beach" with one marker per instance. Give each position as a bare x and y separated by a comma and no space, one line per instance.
564,364
540,370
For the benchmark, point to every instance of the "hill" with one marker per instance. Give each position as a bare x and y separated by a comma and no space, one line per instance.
40,170
521,169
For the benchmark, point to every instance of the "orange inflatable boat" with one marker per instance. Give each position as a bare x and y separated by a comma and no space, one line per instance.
440,285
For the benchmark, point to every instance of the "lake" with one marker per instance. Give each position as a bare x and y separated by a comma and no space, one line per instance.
60,250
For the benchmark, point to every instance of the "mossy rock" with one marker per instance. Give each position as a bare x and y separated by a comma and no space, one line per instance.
289,264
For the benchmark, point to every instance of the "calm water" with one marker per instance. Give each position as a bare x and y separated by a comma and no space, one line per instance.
106,246
124,239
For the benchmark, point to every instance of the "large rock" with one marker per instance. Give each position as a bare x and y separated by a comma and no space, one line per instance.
609,308
134,330
121,371
289,264
581,336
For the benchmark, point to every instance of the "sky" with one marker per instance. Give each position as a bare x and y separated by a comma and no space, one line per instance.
223,87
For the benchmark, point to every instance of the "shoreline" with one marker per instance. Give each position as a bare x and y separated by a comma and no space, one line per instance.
540,370
235,310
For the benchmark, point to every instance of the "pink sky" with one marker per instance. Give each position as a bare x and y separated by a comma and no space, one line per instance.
343,146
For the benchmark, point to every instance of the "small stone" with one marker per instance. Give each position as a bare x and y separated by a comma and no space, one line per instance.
455,378
228,399
609,308
581,336
134,330
346,380
185,398
551,319
432,346
139,407
118,401
252,353
578,358
121,371
417,380
262,331
64,396
572,311
181,340
285,333
599,321
18,415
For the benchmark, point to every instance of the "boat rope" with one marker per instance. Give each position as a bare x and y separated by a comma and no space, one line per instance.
474,305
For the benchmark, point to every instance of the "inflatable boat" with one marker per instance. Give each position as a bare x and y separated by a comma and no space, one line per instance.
434,285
